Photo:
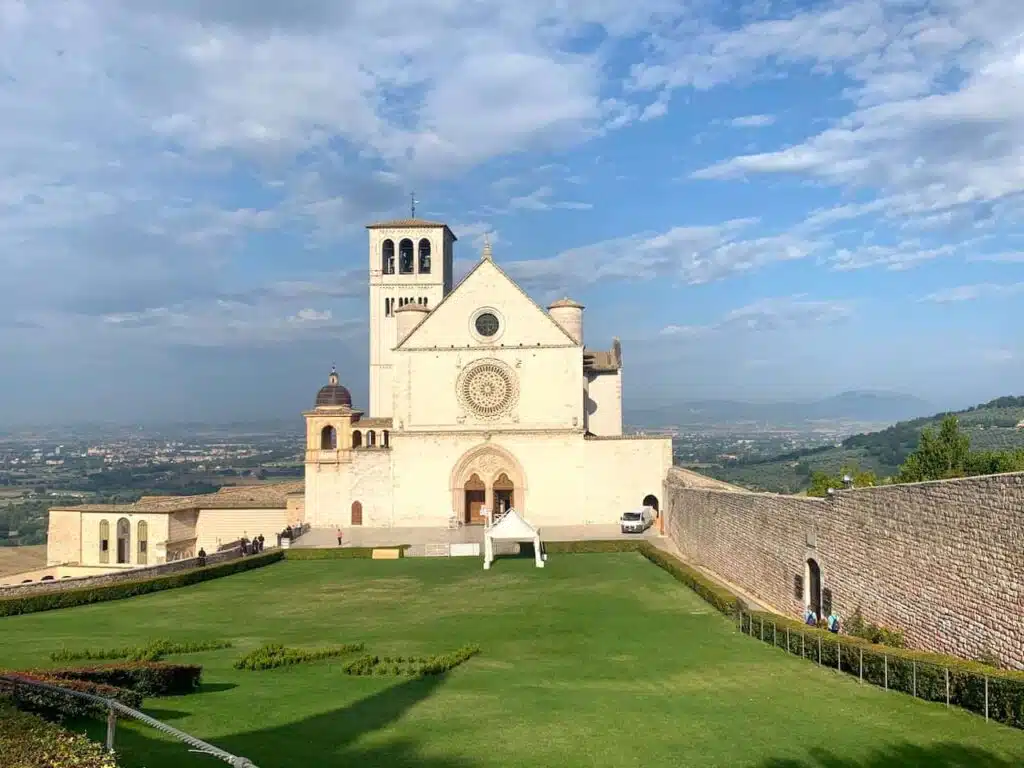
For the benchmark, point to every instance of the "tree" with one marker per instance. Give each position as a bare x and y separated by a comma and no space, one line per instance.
822,481
938,455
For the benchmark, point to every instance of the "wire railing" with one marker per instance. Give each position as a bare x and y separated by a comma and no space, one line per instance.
115,708
995,696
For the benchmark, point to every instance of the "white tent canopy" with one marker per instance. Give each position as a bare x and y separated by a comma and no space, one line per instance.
510,527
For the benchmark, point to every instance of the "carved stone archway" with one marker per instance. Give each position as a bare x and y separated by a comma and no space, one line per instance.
493,465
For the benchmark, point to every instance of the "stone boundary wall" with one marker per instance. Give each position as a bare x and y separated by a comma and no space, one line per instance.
129,574
942,561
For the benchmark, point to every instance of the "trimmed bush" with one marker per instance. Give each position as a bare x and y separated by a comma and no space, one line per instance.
147,678
68,598
273,656
413,666
339,553
923,675
594,546
154,651
57,706
28,741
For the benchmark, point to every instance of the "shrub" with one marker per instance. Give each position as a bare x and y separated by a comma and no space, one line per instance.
47,601
273,656
410,665
594,546
856,625
57,706
154,651
339,553
924,675
146,678
27,741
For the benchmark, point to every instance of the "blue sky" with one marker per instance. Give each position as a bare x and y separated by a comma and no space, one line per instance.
764,200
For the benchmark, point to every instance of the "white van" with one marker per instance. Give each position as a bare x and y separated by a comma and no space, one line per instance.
637,521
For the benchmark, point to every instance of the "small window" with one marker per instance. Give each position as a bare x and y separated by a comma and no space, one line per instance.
486,324
405,257
105,546
424,257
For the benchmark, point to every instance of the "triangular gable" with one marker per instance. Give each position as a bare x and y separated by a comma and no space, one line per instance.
447,323
512,527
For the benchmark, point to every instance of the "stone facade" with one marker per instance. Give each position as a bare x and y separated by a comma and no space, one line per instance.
942,561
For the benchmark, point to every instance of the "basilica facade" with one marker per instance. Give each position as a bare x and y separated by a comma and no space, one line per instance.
479,399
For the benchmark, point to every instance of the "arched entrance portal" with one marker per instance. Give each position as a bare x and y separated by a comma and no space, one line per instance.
812,593
124,541
650,500
486,477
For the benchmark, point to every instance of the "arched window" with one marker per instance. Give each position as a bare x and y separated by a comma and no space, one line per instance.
104,541
371,438
357,439
328,438
142,533
385,439
424,257
387,259
405,257
124,541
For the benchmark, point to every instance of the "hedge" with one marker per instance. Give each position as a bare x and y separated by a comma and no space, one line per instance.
28,741
921,674
47,601
593,546
154,651
412,666
339,553
273,656
147,678
57,706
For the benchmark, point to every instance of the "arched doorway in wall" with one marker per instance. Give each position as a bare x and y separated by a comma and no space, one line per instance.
487,475
357,439
357,513
475,494
812,590
328,438
124,541
650,500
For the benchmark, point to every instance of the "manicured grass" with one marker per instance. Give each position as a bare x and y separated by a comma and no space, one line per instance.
596,660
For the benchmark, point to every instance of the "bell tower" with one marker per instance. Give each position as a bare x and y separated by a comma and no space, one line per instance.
410,263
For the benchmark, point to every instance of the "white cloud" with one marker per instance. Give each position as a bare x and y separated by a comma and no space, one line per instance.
974,292
787,313
540,200
752,121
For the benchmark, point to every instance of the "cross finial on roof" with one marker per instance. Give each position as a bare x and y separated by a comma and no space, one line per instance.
487,255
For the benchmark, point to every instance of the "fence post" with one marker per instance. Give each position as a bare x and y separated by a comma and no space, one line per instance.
111,728
839,655
819,649
787,641
914,690
762,629
885,662
803,645
775,643
862,665
947,686
986,697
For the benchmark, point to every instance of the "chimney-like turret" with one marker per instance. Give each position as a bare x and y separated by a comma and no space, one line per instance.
569,315
408,317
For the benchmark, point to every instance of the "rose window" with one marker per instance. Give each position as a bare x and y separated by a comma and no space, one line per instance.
488,389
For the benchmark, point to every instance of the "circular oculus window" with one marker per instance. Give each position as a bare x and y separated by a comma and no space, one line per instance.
486,324
488,389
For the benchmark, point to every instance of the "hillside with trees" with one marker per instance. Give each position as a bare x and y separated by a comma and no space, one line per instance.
992,441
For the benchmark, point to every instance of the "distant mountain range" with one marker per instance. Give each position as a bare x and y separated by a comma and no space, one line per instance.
862,406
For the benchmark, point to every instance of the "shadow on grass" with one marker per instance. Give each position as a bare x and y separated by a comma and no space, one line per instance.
903,755
325,741
214,687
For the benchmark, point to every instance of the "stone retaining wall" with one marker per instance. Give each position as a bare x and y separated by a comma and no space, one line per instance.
131,574
942,561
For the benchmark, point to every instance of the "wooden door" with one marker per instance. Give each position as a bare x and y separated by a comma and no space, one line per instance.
357,513
474,504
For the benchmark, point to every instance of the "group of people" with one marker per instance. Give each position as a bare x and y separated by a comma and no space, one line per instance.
811,620
251,546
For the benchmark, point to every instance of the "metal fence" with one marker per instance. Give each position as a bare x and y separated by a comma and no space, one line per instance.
960,687
17,686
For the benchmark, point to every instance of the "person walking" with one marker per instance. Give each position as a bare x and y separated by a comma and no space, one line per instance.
339,536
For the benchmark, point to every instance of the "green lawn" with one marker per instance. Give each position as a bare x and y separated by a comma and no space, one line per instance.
597,660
